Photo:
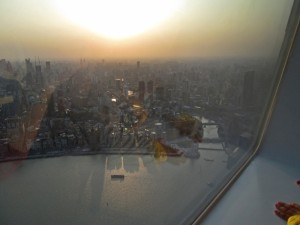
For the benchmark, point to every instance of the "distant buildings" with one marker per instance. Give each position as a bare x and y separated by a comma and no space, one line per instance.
10,97
35,77
5,66
119,105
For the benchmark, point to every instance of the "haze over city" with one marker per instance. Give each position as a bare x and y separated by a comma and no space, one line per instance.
100,29
132,111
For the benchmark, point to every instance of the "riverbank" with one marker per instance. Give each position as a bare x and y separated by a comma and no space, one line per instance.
104,151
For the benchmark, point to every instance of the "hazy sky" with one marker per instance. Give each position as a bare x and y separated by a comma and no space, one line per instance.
35,28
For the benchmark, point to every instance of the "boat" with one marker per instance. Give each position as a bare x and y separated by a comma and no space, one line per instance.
117,176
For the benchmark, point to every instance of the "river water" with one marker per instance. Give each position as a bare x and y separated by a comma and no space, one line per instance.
80,190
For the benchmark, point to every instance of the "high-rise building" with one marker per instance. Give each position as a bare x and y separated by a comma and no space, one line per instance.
29,67
48,68
118,84
9,67
2,64
5,66
48,73
29,72
150,87
38,75
141,90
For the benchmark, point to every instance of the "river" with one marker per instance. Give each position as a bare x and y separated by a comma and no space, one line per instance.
80,190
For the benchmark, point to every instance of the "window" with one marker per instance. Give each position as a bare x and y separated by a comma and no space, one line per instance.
135,112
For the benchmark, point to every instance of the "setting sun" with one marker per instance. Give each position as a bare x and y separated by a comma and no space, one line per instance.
118,19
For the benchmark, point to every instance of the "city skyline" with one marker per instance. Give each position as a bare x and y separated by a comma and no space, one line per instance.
196,29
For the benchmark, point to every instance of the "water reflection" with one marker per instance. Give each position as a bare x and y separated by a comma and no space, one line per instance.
84,190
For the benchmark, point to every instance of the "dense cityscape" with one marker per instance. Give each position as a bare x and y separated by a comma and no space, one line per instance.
157,107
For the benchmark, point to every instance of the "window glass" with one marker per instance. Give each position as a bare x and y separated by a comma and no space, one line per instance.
130,112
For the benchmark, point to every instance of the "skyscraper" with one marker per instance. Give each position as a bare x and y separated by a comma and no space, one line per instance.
48,68
150,87
118,84
29,71
141,90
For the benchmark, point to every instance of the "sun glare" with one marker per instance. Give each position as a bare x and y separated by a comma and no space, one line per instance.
119,19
